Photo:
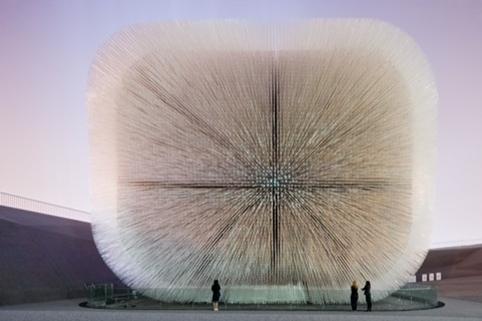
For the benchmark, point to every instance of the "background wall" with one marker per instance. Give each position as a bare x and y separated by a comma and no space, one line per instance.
46,48
45,258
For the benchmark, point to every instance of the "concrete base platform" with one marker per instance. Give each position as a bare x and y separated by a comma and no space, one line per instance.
392,303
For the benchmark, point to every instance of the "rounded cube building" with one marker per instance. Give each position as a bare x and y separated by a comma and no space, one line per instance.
284,158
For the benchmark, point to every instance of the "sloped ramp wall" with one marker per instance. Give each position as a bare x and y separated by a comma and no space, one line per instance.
45,258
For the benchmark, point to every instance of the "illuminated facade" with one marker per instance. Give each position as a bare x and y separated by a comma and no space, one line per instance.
286,159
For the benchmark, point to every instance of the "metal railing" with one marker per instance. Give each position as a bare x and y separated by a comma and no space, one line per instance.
27,204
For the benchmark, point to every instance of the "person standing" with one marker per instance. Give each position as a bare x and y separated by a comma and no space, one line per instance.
368,295
216,288
354,295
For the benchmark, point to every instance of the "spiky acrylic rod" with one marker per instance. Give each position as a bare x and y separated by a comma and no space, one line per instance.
284,158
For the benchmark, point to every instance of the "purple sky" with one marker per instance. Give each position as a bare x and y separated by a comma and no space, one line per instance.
46,48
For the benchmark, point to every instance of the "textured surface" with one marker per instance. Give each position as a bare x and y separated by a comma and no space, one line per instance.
285,159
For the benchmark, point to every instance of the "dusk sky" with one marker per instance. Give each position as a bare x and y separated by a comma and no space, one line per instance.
46,49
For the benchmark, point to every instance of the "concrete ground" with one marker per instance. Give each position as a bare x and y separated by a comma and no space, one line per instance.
70,310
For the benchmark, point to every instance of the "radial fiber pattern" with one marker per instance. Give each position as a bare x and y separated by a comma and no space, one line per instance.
285,159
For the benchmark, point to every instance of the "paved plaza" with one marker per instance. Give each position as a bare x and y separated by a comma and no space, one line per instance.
70,310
